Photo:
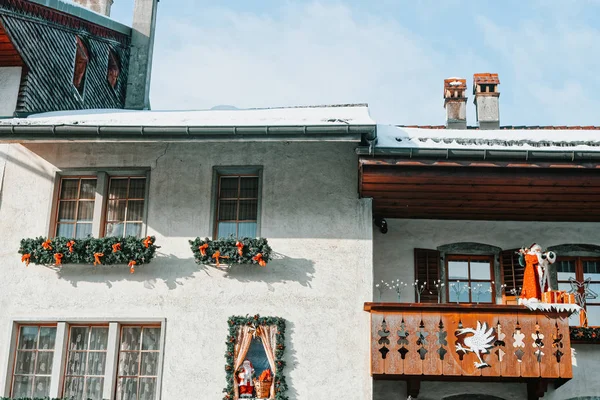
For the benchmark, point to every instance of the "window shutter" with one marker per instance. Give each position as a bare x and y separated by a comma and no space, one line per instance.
427,269
512,272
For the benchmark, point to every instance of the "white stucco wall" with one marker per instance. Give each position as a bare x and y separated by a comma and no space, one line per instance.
311,214
10,79
393,259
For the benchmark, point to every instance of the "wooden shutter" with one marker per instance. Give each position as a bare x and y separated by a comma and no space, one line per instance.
512,272
427,269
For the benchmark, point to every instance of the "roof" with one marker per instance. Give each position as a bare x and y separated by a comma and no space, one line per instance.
331,115
396,137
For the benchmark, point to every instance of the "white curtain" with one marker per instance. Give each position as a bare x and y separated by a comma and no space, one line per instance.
268,336
242,344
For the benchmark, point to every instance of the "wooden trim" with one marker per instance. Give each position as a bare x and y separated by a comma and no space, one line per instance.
445,307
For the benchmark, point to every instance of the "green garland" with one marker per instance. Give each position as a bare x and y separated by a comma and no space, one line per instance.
133,251
235,323
581,334
27,398
228,250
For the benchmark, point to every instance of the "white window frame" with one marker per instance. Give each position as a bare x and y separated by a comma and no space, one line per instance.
100,203
60,352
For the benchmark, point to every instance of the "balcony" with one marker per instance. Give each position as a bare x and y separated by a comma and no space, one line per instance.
416,342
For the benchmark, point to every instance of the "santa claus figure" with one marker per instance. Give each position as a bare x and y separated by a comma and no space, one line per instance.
245,374
536,279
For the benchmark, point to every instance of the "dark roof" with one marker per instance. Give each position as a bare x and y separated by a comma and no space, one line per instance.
512,127
46,41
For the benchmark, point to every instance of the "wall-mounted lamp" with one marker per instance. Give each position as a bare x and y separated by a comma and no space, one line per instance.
381,223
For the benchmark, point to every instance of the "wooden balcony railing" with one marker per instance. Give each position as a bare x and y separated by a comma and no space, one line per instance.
474,342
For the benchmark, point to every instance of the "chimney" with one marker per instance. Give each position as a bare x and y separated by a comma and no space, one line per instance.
99,6
455,103
485,89
140,59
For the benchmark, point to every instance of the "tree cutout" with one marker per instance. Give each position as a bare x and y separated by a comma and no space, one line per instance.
518,343
442,336
422,340
458,344
500,336
557,343
383,339
403,341
538,343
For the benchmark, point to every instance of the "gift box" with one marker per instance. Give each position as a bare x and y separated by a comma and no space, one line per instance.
552,296
568,298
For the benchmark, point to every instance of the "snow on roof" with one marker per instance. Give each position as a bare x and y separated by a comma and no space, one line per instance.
395,137
339,115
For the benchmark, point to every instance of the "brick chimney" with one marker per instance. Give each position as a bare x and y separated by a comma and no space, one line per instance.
99,6
455,103
485,89
140,59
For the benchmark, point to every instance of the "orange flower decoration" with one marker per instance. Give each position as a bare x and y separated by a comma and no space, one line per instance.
217,256
58,259
70,245
260,260
131,266
97,258
47,245
147,242
117,247
240,247
25,258
203,249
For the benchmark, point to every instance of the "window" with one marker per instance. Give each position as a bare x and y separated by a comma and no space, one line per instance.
237,205
93,361
33,361
86,362
76,207
81,62
580,269
138,362
475,272
113,69
100,205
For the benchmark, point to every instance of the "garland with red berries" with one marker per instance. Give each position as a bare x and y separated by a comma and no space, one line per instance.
231,251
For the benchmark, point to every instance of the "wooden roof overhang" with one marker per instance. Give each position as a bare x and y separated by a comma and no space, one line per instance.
481,190
9,55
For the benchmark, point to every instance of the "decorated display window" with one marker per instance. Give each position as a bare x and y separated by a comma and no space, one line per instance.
255,349
33,361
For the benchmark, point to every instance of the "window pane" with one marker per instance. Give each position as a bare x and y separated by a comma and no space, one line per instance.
44,362
227,210
79,337
135,210
99,338
115,210
83,230
565,266
247,210
118,188
226,229
453,287
133,229
137,188
147,388
564,276
593,315
66,211
249,187
94,388
458,270
76,363
25,362
47,337
481,291
23,386
96,363
42,386
88,189
86,211
480,270
28,336
149,363
69,188
65,230
114,229
127,389
247,229
130,338
151,339
74,388
595,288
128,363
591,269
229,187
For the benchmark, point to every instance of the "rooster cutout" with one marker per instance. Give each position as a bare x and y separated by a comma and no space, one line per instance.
479,343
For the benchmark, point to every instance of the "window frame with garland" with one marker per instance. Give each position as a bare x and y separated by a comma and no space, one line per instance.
240,172
60,361
101,199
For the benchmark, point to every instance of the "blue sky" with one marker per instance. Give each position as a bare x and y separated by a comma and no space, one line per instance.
391,54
